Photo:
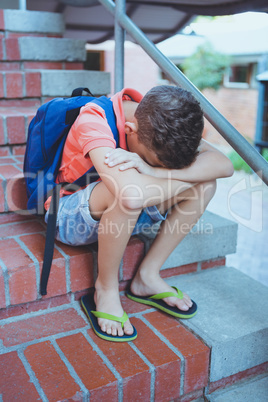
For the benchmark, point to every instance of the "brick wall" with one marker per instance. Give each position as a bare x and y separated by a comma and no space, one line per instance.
239,106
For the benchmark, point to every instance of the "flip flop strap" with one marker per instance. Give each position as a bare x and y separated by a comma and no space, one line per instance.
111,317
163,295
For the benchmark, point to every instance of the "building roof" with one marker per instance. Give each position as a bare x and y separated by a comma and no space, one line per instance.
159,19
238,43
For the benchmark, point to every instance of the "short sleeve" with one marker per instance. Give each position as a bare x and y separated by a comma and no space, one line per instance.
91,129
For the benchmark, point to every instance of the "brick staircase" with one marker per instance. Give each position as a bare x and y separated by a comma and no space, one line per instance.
48,351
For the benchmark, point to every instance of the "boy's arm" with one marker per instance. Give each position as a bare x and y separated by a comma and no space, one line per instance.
133,189
210,164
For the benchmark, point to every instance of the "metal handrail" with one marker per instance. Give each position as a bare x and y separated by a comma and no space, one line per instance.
228,132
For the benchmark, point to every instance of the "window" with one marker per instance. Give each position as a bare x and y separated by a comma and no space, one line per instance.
94,60
239,76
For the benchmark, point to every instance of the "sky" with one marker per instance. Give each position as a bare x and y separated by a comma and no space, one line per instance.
238,22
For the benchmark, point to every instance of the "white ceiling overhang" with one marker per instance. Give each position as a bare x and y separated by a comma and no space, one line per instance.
158,19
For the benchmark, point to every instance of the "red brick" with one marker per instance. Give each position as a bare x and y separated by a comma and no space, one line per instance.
17,229
133,370
15,383
22,34
57,279
2,86
8,171
167,364
4,151
74,66
132,257
2,290
2,21
22,284
14,85
81,266
183,269
7,66
96,376
192,396
25,308
33,84
16,129
196,354
12,49
20,103
52,373
14,217
21,272
42,65
19,150
227,381
40,326
219,262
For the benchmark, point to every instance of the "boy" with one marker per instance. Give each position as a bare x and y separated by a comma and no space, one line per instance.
161,165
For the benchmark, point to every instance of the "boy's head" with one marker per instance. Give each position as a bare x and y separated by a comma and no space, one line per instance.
170,123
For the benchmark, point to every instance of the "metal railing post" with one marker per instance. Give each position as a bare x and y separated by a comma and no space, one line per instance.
119,36
232,136
22,5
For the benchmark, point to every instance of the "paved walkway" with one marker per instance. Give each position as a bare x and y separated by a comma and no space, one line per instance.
243,198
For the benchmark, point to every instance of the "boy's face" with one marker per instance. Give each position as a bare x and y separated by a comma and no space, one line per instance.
149,156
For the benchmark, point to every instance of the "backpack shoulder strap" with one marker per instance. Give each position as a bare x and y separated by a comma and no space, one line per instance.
50,238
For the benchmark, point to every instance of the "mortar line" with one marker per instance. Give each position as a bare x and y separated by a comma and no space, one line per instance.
32,375
6,283
48,338
107,363
151,367
36,313
72,372
169,344
35,260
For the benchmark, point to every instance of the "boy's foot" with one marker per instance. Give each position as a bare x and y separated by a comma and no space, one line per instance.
116,327
108,302
144,290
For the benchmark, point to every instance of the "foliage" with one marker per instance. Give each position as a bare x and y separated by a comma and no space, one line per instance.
205,68
240,164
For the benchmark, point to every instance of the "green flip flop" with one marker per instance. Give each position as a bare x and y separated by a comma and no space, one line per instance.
156,301
89,307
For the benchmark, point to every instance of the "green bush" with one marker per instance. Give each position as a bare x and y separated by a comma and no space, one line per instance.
240,164
205,68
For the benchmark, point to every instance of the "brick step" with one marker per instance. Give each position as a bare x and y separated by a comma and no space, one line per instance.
14,122
22,244
36,48
39,65
31,22
53,354
49,83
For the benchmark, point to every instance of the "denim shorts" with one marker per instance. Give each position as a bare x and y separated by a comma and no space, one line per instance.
76,227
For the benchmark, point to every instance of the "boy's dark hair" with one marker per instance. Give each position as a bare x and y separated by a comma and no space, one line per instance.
170,122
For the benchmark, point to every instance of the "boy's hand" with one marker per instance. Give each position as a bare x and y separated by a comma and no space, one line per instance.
128,160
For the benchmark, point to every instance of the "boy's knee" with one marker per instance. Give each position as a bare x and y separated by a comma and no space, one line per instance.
208,189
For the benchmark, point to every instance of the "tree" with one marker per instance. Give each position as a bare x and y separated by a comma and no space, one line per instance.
205,68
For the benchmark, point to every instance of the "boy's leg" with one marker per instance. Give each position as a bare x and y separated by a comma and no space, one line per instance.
115,228
186,210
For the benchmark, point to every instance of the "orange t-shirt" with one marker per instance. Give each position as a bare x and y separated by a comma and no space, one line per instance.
89,131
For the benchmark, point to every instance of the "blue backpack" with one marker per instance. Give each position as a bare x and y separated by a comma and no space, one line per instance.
47,134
